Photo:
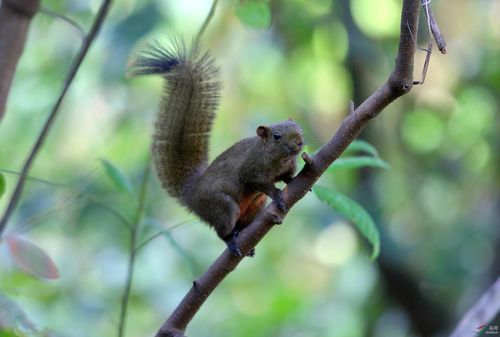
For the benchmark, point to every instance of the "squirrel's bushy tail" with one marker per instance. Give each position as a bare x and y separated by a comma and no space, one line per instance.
183,124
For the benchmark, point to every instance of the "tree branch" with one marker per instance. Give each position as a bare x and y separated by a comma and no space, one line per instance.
76,26
133,250
433,26
207,20
399,83
16,195
15,17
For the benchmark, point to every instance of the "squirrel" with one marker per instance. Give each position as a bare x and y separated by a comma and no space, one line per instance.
230,192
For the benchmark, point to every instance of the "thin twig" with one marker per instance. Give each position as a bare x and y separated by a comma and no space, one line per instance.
149,239
38,180
157,234
79,29
166,233
133,250
16,195
428,54
433,26
29,224
94,199
426,65
207,20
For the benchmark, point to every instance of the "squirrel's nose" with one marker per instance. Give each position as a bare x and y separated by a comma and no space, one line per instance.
295,146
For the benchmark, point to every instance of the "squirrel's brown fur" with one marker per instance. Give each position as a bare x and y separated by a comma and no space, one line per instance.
230,192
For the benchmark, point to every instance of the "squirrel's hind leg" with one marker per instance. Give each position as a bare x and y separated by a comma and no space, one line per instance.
250,206
221,211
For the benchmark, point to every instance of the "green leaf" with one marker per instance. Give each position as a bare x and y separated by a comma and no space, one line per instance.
117,177
2,184
352,211
254,14
362,146
31,258
357,162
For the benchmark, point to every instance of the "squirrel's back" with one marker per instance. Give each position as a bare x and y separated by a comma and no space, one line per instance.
187,109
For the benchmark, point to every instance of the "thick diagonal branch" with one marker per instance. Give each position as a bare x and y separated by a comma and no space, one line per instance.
15,17
399,83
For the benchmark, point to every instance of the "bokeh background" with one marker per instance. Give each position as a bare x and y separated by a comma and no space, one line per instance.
437,208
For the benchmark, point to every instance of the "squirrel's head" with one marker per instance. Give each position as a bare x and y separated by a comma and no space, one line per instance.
283,139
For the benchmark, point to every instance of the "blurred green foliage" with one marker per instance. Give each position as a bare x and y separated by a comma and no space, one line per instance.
437,209
2,184
255,14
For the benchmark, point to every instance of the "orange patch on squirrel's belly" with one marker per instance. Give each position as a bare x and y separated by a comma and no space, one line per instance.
251,204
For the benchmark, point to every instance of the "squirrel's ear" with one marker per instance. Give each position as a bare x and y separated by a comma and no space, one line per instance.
263,132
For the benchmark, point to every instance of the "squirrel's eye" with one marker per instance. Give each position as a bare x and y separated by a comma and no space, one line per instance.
277,136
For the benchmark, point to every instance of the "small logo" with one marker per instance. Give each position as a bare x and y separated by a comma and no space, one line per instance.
487,329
